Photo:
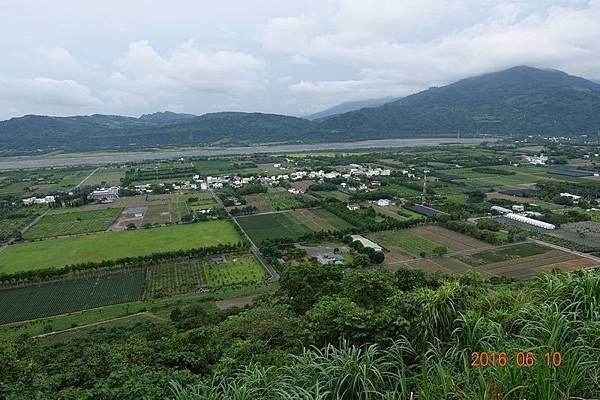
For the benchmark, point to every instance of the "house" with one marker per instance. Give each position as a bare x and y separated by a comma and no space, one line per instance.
383,202
518,208
375,183
353,206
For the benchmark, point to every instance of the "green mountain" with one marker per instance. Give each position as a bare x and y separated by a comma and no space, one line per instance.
349,106
517,101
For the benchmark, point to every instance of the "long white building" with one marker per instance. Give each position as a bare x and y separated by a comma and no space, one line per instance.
530,221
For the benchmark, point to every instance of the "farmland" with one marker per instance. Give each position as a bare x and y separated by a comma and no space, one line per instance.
407,241
274,201
173,278
234,270
61,223
320,219
273,226
113,245
504,254
70,295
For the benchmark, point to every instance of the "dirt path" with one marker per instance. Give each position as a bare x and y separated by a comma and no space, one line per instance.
146,313
86,178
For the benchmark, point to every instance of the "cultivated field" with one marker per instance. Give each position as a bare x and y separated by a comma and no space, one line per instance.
320,219
272,226
113,245
454,241
406,241
68,296
274,201
63,222
173,278
504,254
235,270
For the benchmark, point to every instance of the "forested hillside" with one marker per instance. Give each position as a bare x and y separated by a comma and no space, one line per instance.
518,101
368,334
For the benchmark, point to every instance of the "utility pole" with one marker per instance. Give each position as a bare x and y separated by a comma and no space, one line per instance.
424,183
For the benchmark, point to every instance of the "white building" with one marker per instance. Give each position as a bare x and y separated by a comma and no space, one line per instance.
353,206
501,210
518,208
366,242
530,221
572,196
383,202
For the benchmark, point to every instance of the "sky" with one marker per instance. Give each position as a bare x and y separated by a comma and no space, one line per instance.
130,57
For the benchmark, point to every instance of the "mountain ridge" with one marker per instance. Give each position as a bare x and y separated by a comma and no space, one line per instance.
517,101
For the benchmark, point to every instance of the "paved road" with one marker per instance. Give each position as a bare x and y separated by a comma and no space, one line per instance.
29,162
253,248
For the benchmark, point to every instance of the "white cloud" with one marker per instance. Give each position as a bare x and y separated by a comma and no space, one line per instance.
187,68
404,45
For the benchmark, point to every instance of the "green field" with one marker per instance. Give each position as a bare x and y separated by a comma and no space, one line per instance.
113,245
407,241
504,254
333,219
272,226
60,223
173,278
63,297
274,201
8,226
234,270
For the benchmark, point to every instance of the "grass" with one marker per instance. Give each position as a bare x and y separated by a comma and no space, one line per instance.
106,176
62,223
62,297
274,201
272,226
113,245
407,241
234,271
504,254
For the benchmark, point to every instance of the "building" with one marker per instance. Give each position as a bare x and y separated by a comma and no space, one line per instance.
366,242
353,206
572,196
501,210
106,195
518,208
383,202
330,258
530,221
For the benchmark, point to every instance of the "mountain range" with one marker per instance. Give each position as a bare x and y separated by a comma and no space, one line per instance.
349,106
517,101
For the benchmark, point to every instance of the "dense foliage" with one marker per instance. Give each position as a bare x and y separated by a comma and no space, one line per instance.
328,335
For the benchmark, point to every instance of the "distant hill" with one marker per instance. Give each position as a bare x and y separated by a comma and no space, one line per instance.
517,101
166,117
349,106
520,100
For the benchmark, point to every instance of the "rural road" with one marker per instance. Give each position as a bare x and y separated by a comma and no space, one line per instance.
86,178
25,228
575,252
29,162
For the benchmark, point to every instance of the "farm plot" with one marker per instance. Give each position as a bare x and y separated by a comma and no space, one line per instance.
63,297
170,279
504,254
109,246
321,220
157,214
526,267
9,226
272,226
274,201
454,241
406,242
61,222
235,270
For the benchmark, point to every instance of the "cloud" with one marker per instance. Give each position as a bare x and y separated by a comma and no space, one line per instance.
46,91
186,68
404,45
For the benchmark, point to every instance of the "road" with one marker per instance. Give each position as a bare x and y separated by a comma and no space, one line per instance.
42,162
86,178
557,247
253,248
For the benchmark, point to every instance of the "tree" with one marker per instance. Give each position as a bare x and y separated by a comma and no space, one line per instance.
304,283
360,261
370,287
440,251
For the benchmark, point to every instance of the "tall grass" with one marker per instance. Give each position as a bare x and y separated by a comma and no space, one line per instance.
560,314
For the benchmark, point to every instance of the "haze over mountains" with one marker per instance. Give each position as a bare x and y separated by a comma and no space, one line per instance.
517,101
